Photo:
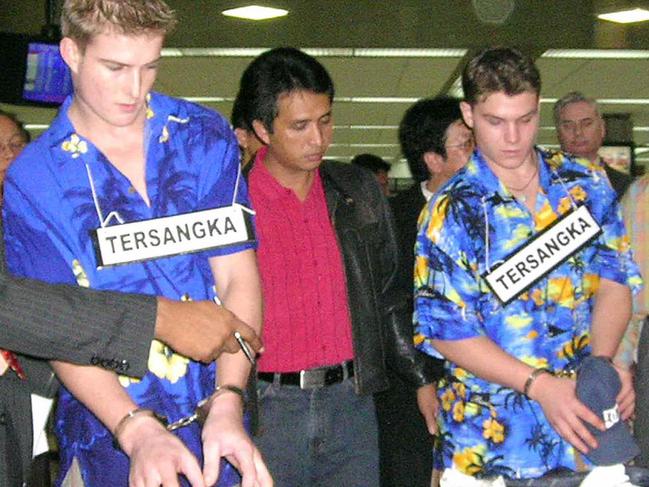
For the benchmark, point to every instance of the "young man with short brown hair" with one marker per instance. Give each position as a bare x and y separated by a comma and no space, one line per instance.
514,317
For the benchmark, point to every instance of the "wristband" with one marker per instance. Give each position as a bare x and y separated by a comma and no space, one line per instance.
532,377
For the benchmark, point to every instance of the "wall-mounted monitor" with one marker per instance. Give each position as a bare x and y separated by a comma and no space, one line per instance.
32,71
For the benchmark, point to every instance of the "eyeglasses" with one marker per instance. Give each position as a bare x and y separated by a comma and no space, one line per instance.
467,145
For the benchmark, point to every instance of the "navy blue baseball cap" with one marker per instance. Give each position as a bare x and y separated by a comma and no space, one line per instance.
598,384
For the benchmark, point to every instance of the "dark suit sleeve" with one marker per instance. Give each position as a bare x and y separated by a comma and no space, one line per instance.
76,325
413,366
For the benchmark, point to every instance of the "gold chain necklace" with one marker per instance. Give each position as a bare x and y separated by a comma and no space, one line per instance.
523,198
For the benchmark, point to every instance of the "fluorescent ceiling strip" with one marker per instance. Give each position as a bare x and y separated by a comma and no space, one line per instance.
375,99
343,99
349,157
623,101
364,145
609,101
626,16
595,54
313,51
255,12
208,99
635,129
397,99
329,51
399,52
212,51
37,126
366,127
456,90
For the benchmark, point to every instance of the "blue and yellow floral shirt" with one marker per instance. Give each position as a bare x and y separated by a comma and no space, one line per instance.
472,224
60,189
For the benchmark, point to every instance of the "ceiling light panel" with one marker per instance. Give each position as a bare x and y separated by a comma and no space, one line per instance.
626,16
255,12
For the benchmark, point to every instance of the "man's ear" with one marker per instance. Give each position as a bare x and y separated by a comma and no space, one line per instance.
260,130
467,113
71,53
242,137
434,162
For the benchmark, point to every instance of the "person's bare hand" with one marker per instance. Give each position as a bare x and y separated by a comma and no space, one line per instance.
224,436
157,456
428,406
565,412
201,330
626,398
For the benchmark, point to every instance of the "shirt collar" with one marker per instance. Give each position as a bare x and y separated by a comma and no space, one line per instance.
428,194
480,172
63,136
264,182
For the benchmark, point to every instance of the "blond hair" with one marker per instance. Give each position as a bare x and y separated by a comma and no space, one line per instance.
83,19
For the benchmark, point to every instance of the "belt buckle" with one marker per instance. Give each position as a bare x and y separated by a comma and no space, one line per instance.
312,378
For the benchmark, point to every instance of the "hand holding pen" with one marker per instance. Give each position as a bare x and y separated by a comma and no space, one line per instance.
245,340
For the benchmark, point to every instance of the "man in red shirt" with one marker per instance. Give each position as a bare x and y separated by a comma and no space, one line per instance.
333,319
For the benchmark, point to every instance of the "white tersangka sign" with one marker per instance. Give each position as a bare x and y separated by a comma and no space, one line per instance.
542,254
172,235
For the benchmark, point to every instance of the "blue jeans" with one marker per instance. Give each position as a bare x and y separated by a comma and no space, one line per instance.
325,437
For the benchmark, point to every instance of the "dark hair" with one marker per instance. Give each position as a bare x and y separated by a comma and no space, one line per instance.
499,69
24,133
423,129
236,116
273,73
371,162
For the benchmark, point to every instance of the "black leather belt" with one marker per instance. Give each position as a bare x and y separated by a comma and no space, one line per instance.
312,378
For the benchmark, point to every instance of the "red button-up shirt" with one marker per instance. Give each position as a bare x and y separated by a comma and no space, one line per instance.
306,312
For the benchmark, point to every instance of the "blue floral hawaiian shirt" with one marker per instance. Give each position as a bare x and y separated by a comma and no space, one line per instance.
472,224
59,191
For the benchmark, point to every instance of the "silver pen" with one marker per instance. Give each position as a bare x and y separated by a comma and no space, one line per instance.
242,343
244,346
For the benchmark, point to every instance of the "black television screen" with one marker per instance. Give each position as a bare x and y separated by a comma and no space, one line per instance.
32,71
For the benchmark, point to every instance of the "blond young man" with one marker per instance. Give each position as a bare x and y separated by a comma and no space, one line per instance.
120,154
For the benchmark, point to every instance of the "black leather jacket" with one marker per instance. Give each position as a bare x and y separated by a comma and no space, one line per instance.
381,326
